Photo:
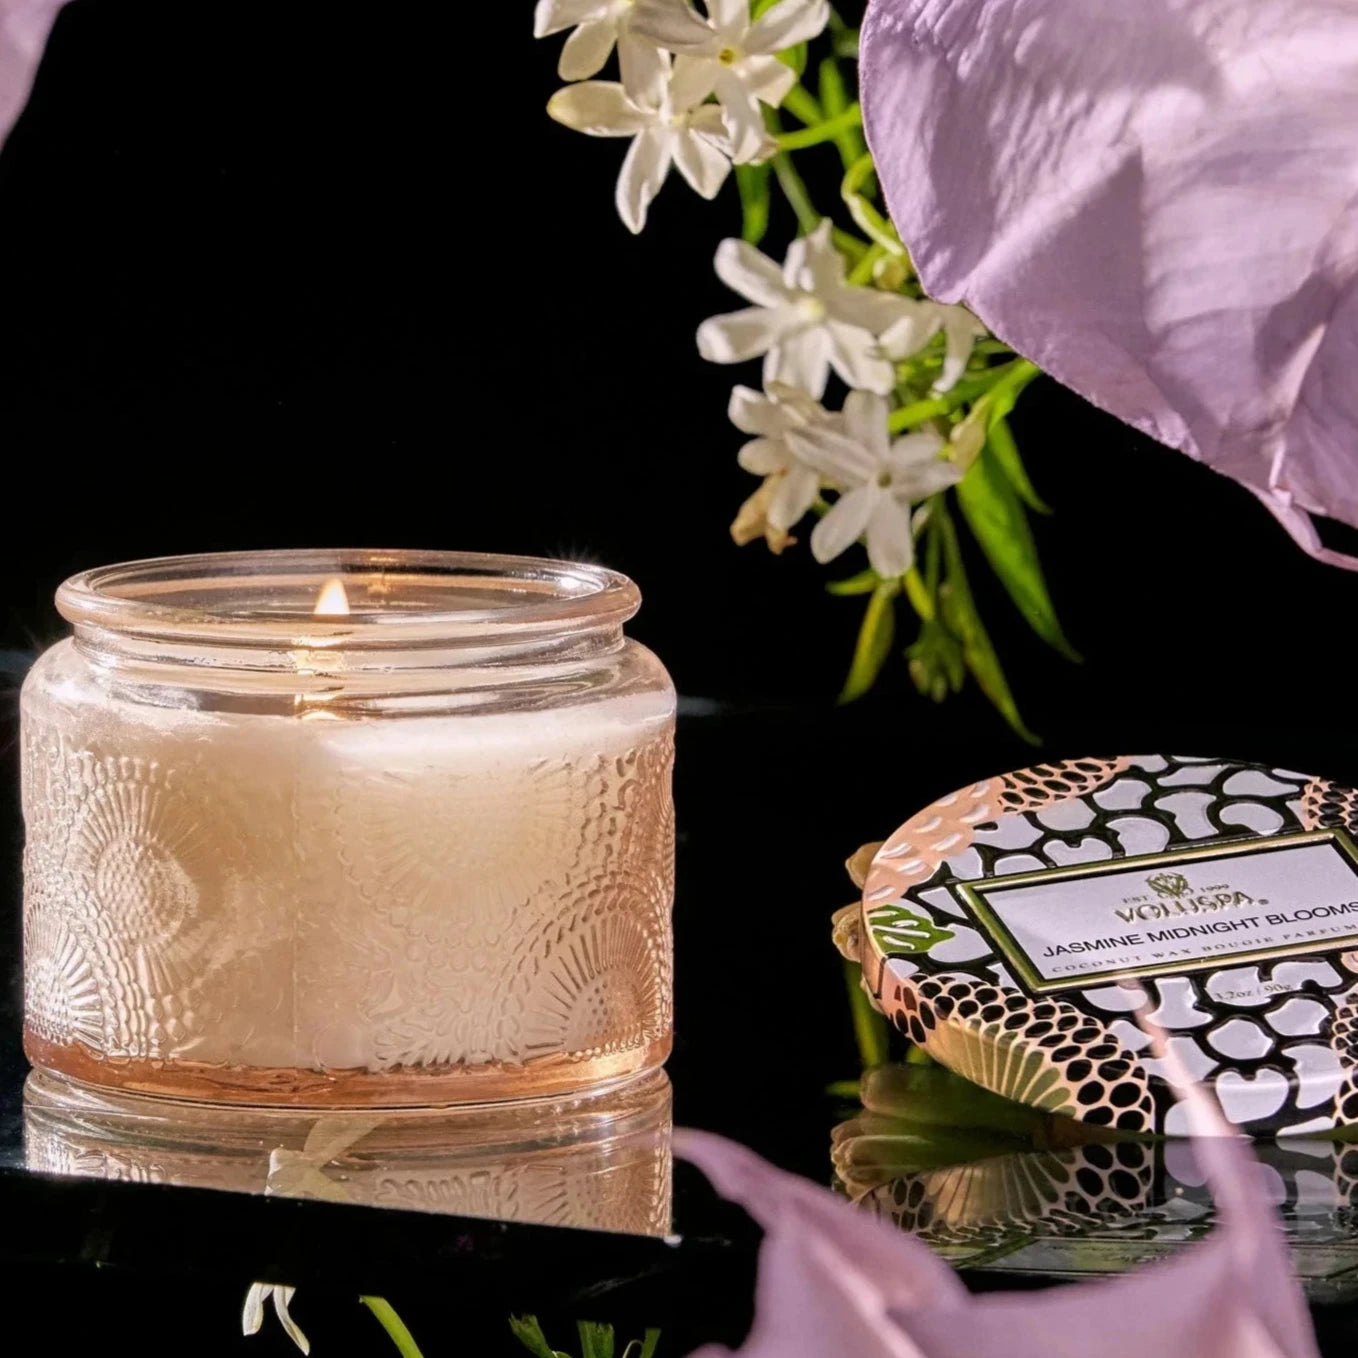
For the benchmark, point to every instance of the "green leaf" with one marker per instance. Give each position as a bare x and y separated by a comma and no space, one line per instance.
529,1333
643,1348
596,1341
1004,396
1011,463
964,622
996,517
897,929
862,583
875,638
753,183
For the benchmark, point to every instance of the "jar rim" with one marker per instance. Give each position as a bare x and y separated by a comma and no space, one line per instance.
396,597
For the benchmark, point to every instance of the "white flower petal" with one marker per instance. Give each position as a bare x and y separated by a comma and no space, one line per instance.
753,413
751,273
795,277
673,25
802,359
891,546
870,308
916,467
961,330
845,523
925,480
806,257
551,16
917,324
702,165
787,24
865,415
793,497
856,356
832,451
798,406
767,78
643,172
732,16
599,108
739,335
587,49
916,449
708,121
764,457
744,121
645,69
282,1296
692,80
821,266
252,1314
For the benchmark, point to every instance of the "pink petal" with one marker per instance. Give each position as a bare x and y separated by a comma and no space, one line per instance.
833,1279
1158,202
24,26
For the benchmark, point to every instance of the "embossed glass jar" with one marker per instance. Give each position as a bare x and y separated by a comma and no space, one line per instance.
418,852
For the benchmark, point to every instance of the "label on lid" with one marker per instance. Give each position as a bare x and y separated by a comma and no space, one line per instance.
1175,912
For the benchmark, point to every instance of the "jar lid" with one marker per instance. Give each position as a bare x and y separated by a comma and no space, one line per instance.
1018,928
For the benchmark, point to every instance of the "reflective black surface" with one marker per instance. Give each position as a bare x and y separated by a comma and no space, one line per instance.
203,1203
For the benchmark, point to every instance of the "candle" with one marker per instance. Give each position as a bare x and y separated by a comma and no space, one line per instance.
399,833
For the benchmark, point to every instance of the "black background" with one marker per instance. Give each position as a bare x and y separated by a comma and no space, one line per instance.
326,274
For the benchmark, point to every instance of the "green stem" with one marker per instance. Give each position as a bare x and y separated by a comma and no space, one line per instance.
829,130
921,600
794,190
869,221
802,104
988,383
834,99
394,1326
849,244
862,271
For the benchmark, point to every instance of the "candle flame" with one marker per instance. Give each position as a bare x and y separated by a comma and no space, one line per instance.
332,602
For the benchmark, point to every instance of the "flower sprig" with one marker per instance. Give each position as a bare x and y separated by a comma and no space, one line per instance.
921,438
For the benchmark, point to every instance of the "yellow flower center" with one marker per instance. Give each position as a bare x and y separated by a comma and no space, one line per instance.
728,56
884,479
811,309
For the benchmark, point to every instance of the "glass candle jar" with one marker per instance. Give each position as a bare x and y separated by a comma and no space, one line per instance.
348,828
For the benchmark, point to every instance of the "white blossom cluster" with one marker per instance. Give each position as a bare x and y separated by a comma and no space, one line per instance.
691,95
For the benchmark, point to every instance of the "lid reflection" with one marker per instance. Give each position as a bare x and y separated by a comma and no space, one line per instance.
600,1162
993,1186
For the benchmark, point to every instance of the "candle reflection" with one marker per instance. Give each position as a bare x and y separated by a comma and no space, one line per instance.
601,1163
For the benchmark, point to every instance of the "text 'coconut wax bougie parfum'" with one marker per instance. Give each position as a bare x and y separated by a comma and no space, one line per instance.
1027,930
348,828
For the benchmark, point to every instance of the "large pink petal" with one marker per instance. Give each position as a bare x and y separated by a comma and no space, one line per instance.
24,26
833,1279
1158,202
